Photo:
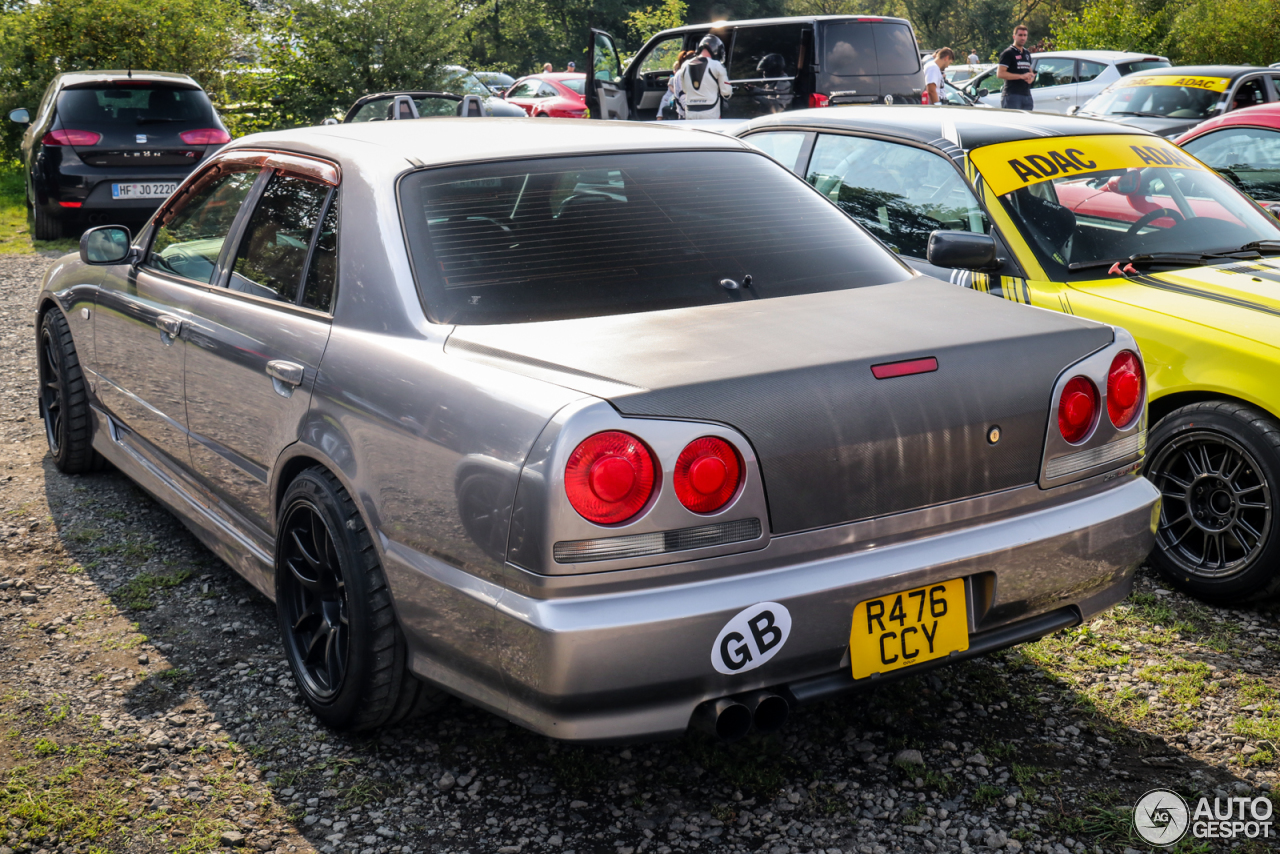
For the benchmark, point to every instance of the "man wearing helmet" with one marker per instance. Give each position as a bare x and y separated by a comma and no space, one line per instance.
702,82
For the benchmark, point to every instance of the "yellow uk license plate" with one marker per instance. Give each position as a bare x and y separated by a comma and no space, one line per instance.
908,628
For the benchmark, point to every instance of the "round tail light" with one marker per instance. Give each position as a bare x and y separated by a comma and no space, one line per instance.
1077,409
610,477
1124,388
707,474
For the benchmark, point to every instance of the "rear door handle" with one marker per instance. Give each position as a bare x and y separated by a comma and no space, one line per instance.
170,327
289,373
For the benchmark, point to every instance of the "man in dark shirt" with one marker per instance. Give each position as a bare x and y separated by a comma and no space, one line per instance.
1015,70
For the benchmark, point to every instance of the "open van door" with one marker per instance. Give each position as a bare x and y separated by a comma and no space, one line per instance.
605,92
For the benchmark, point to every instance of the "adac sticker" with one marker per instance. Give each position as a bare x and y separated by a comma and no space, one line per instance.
751,638
1209,84
1010,165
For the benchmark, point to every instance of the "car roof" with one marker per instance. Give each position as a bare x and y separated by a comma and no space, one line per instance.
793,19
1203,70
1102,55
395,146
88,78
1263,115
943,127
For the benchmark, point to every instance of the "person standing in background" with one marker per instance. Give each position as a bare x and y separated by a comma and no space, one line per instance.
1015,70
702,83
934,82
973,57
571,68
546,68
670,107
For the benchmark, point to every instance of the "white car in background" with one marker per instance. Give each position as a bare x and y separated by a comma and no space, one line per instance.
960,73
1066,78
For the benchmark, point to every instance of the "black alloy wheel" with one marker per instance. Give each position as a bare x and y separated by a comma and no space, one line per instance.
316,605
64,401
1217,466
346,650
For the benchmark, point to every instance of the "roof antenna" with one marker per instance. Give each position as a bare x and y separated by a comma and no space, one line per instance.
130,72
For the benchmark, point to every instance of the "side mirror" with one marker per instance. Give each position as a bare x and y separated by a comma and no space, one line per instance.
330,122
106,244
20,115
1127,184
962,250
1073,109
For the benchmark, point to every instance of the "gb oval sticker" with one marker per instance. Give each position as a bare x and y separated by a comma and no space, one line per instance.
751,638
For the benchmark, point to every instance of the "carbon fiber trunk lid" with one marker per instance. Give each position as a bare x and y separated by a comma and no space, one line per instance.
794,376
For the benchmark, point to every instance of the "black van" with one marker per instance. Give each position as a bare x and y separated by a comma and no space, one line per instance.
774,64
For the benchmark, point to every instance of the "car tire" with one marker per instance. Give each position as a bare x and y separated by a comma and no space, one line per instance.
64,399
1217,466
340,635
44,226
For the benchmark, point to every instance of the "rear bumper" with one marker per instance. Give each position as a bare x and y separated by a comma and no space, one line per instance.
636,664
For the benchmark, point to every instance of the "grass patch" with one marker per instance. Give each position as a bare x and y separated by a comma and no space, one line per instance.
138,592
986,795
15,236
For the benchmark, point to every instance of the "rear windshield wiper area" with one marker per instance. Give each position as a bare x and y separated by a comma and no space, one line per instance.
157,120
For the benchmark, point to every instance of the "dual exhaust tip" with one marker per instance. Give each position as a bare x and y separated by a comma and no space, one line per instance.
733,718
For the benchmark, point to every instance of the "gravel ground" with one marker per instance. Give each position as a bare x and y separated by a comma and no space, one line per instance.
145,707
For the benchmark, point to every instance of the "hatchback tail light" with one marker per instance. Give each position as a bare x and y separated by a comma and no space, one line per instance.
205,136
1124,389
71,137
707,474
817,99
610,477
1077,409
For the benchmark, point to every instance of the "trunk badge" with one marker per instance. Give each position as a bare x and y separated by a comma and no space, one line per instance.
993,435
889,370
141,139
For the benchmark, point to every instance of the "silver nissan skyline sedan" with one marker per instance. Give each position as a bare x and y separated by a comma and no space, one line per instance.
607,428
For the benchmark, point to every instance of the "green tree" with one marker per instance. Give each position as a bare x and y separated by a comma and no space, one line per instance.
323,55
1112,25
1226,32
643,24
40,40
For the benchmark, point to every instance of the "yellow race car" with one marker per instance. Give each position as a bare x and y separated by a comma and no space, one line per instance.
1107,222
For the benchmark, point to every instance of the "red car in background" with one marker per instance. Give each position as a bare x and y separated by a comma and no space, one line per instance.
558,95
1244,147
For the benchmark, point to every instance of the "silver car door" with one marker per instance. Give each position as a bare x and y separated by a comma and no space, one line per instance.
255,343
143,313
1054,88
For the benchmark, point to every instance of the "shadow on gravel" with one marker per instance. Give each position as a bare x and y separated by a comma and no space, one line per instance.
1045,747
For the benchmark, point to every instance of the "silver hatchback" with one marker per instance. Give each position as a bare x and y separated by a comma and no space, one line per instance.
606,428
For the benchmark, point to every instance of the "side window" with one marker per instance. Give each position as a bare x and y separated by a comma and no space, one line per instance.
850,49
523,89
374,111
1248,157
1249,93
1054,71
190,240
274,249
899,193
761,53
783,145
1090,70
546,90
1275,87
663,56
322,274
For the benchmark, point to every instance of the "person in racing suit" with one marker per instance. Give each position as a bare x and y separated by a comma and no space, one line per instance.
703,82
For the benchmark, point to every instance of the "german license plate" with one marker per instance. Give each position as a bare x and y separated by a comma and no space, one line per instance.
143,191
909,628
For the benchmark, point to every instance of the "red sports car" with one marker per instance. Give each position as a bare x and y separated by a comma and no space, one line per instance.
1244,146
558,94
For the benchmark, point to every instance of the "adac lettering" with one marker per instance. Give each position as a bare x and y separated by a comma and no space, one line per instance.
1159,157
906,641
1037,167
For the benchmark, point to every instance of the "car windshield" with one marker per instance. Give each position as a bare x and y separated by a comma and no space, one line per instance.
460,81
380,109
1085,202
1168,96
133,104
590,236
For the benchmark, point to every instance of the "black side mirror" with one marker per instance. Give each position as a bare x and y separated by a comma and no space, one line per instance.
20,115
962,250
106,244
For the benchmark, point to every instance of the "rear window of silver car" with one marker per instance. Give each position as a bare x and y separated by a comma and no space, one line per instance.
568,237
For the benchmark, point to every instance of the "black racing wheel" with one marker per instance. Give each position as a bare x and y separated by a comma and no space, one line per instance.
340,634
64,400
1151,216
1217,466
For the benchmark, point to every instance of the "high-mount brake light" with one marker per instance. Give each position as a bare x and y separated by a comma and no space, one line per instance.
205,136
610,477
1124,389
71,137
817,99
1077,409
707,474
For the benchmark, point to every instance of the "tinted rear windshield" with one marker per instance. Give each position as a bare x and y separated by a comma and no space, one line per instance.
863,49
614,234
1127,68
133,105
